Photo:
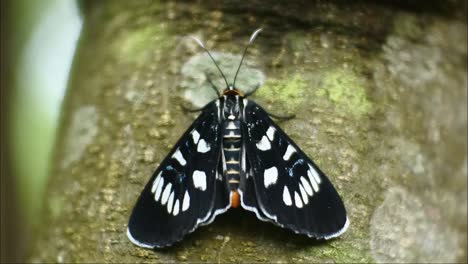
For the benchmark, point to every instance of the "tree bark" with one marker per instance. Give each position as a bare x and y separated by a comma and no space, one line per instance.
379,93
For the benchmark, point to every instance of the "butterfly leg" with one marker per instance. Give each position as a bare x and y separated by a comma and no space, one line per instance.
282,117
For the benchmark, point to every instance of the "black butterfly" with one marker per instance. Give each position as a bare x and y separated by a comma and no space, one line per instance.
234,154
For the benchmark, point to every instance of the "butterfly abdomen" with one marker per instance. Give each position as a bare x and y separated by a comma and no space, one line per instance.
232,146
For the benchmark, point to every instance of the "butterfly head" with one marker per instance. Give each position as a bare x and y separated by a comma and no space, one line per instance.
230,88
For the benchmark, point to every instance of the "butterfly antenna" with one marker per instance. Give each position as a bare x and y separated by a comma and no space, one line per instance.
209,54
252,38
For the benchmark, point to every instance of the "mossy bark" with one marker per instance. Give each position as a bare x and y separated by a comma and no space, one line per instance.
379,94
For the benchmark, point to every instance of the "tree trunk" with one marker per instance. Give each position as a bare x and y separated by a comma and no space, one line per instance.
379,92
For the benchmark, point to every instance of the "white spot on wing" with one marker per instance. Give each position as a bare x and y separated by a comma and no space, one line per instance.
170,202
186,202
298,200
270,176
271,133
195,136
203,147
176,209
289,151
178,156
166,193
264,144
311,178
199,180
315,174
287,197
159,189
307,186
156,182
305,198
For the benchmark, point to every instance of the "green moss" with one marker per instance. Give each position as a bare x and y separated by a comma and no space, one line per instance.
289,91
134,46
346,252
347,90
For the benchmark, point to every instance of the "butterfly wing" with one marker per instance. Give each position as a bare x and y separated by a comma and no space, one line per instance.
290,189
248,197
183,192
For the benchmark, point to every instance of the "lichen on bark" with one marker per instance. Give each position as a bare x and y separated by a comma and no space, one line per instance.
381,109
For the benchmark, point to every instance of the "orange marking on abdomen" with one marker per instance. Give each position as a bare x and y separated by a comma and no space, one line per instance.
235,199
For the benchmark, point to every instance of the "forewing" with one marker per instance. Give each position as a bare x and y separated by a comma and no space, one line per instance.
182,191
290,189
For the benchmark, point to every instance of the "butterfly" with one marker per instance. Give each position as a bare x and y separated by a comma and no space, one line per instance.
235,155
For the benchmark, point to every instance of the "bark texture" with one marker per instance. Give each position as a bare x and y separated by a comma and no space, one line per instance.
379,92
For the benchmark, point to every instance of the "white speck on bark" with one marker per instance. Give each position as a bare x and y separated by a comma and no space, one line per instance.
80,134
